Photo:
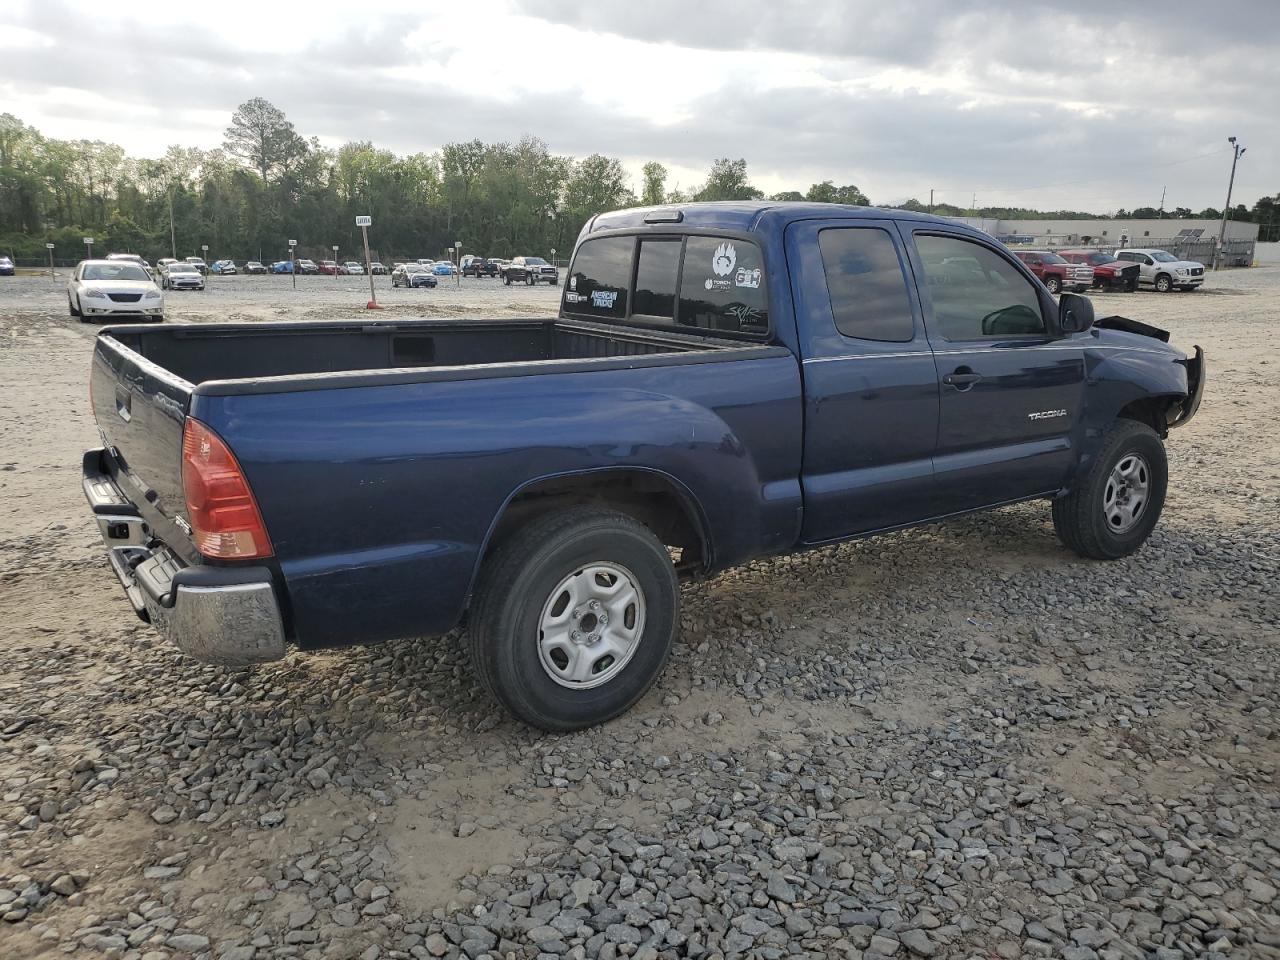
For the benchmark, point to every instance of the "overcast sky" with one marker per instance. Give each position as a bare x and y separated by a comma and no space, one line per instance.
1079,105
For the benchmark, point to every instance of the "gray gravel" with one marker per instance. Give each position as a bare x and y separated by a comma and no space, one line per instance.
957,741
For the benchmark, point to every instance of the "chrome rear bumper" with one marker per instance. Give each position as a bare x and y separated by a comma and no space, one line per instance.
227,615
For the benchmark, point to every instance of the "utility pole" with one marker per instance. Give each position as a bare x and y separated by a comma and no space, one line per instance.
1237,152
931,199
1163,191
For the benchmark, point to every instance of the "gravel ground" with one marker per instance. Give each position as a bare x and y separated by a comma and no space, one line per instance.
958,741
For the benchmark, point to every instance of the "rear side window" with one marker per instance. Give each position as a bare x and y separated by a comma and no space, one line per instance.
601,278
657,265
868,289
722,286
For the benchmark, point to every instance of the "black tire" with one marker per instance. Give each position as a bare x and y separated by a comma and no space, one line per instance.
518,580
506,278
71,309
530,279
1054,285
1164,283
1079,518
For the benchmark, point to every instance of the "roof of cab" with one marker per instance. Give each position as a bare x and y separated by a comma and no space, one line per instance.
747,215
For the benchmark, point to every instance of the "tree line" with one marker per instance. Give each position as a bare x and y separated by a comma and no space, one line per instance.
268,183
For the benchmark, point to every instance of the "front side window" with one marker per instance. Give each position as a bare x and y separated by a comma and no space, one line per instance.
976,293
868,289
601,278
722,286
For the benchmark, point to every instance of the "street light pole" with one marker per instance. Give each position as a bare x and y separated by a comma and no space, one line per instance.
1237,152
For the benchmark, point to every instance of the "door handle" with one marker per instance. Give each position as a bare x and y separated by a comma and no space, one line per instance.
962,379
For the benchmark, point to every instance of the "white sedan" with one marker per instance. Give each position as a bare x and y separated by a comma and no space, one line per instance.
101,289
354,268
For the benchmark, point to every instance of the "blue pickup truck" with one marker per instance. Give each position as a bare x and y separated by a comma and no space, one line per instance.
723,382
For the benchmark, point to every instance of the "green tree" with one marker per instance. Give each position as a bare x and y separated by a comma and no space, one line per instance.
263,138
728,181
828,192
788,196
655,184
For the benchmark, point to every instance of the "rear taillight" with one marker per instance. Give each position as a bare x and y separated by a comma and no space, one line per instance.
225,521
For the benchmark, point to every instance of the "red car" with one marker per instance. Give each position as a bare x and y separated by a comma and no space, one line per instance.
1107,270
1054,272
333,269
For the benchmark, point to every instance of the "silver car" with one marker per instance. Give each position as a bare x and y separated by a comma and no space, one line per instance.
1162,270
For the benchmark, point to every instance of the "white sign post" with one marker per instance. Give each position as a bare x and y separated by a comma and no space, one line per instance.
335,261
364,223
49,247
88,248
204,255
457,245
293,263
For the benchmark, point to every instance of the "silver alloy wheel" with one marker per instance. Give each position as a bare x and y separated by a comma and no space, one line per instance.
591,626
1127,493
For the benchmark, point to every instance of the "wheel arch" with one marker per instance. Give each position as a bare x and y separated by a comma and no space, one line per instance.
653,497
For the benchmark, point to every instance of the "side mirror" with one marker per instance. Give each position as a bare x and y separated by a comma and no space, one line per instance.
1075,313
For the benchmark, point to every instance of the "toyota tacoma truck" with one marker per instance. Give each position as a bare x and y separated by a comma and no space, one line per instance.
724,381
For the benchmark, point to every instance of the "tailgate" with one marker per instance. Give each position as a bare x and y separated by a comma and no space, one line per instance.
140,408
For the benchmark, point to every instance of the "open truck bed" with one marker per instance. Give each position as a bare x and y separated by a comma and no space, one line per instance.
379,454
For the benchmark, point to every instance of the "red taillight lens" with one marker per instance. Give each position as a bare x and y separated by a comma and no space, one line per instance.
225,521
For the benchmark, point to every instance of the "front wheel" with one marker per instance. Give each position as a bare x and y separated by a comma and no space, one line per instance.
1114,506
1054,285
1164,283
574,618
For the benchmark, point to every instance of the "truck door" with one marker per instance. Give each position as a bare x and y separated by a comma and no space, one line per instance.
1010,390
870,386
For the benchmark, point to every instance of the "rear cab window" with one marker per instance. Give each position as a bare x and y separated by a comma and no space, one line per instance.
714,283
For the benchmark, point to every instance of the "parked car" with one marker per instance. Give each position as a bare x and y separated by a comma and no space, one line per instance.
1163,271
331,268
134,258
377,269
110,289
1108,272
550,480
253,266
1055,272
529,270
282,266
224,267
307,266
353,268
442,268
7,269
181,276
199,264
479,267
412,275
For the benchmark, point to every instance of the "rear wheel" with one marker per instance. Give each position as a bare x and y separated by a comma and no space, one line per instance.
1164,283
1114,506
1054,285
574,618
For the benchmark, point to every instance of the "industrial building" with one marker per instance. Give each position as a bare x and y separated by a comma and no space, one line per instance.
1189,239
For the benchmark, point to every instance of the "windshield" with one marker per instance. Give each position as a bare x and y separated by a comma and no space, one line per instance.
1163,257
1098,259
1051,258
115,271
182,268
534,261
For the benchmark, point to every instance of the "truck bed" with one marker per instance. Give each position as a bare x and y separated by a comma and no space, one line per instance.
381,453
201,353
